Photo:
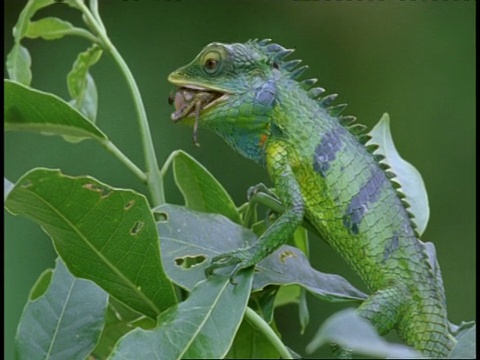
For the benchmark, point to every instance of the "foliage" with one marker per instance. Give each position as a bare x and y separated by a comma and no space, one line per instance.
129,279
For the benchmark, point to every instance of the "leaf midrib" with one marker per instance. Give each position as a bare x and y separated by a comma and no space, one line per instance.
99,254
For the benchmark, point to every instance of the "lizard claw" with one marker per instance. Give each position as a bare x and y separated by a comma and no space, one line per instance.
259,188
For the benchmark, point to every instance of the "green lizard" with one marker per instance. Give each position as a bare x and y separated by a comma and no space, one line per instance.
322,170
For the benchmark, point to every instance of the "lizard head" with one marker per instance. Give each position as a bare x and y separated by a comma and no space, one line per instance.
211,89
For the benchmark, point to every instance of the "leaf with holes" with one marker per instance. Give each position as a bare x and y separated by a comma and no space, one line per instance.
189,239
201,327
103,234
64,321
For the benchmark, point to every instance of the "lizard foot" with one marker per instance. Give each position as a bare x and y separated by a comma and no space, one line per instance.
259,188
339,352
239,258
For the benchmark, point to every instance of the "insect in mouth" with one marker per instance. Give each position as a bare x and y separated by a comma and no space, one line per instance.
189,101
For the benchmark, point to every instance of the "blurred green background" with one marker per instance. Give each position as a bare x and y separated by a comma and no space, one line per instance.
415,60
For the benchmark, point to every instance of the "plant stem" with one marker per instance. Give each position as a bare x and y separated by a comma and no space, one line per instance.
154,178
95,13
123,158
258,322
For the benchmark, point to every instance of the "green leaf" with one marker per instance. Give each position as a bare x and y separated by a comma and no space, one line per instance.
51,28
250,343
350,331
7,187
189,239
87,103
288,294
201,191
303,313
288,265
29,109
458,330
407,175
262,302
41,285
18,60
202,327
81,85
466,345
65,322
260,227
119,321
72,3
103,234
18,65
300,240
23,22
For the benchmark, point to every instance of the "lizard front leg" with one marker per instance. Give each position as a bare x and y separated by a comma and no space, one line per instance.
288,189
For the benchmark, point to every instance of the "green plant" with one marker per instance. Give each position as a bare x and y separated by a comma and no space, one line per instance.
110,236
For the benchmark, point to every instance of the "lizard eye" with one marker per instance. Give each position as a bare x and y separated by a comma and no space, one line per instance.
211,62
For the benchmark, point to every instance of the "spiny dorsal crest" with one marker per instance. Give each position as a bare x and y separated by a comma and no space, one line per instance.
275,55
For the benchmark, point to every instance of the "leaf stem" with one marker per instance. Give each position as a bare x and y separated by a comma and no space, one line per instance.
96,14
257,321
167,163
123,158
84,33
153,176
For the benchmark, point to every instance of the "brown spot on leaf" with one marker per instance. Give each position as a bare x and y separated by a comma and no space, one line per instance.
287,254
136,228
104,192
26,184
129,204
160,216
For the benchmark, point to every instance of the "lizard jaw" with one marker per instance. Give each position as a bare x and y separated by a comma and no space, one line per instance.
189,100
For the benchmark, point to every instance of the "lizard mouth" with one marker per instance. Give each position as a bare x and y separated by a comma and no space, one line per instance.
191,100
